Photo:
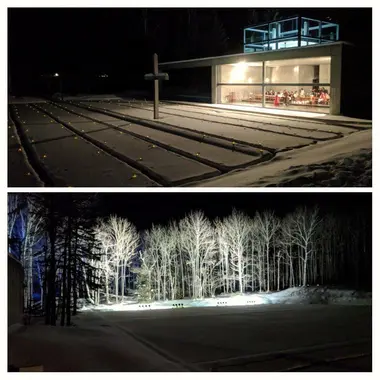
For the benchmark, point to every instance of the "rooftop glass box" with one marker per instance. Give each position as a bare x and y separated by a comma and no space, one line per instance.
289,33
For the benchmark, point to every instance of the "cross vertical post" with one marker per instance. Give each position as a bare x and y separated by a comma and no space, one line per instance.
156,76
156,91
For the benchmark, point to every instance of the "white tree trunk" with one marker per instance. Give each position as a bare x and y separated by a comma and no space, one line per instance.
117,283
268,267
305,268
278,271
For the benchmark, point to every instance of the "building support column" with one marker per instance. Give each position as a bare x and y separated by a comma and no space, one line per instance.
299,36
263,85
214,80
336,81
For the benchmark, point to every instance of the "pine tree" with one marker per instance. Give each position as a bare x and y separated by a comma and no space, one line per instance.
144,293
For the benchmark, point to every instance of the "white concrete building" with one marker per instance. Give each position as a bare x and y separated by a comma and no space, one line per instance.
291,64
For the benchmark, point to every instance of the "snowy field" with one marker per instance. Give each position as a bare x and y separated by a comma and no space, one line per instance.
343,162
273,337
297,295
24,100
107,141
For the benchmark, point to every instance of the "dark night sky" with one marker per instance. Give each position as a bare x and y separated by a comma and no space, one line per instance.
80,39
143,209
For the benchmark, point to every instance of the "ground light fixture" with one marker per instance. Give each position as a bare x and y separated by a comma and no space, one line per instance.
236,300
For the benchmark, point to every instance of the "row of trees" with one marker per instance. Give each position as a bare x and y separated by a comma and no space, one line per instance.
198,258
194,33
69,254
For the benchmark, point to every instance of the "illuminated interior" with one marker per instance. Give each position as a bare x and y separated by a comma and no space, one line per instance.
302,84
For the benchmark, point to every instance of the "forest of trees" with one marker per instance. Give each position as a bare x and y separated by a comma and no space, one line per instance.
185,33
69,253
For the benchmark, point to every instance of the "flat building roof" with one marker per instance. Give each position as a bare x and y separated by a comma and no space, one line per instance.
326,49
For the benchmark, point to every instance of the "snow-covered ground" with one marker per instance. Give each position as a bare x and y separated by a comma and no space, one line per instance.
25,100
296,295
93,97
334,163
343,162
284,112
293,322
92,346
263,337
320,295
117,143
349,171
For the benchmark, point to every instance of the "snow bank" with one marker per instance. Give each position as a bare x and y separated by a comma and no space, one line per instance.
297,295
232,300
320,295
351,155
355,171
85,306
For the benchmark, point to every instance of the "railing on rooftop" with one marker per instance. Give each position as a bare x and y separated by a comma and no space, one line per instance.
289,33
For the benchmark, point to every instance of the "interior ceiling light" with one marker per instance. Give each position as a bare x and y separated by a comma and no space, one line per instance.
238,72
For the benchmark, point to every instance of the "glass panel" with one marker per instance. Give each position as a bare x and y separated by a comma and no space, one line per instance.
329,31
242,72
257,34
305,70
283,43
310,28
297,97
241,95
254,48
290,27
306,41
283,29
254,36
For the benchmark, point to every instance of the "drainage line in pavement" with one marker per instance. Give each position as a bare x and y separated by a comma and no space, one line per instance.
220,167
143,169
224,142
333,137
32,156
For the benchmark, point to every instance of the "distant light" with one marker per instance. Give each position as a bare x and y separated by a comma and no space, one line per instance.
249,80
56,75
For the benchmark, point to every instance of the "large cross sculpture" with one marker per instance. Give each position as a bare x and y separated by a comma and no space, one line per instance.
156,76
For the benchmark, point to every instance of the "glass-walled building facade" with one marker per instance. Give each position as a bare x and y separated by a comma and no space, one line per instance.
289,33
298,67
302,83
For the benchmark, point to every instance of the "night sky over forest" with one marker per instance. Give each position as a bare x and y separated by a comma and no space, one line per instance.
78,41
143,209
